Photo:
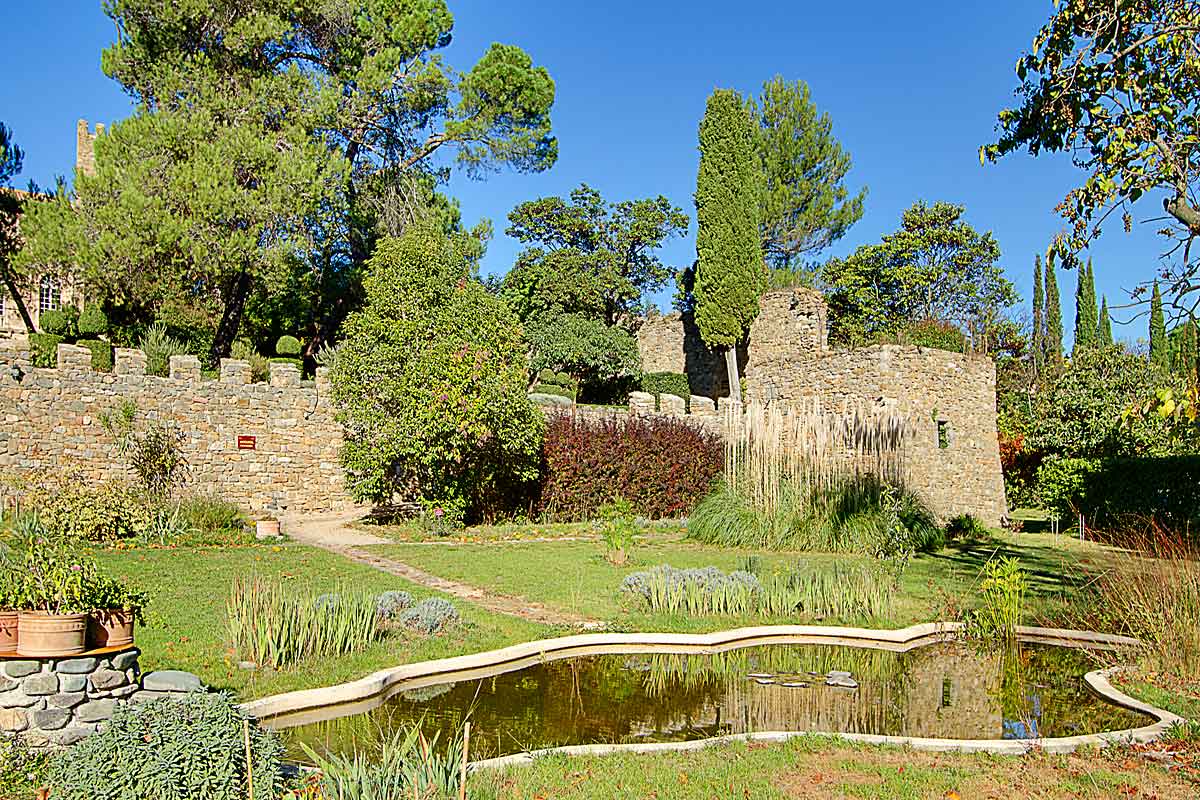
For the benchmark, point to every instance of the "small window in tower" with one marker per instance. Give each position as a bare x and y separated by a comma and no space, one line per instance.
946,692
49,294
943,430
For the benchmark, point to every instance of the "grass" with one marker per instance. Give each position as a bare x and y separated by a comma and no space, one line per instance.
574,576
820,767
187,624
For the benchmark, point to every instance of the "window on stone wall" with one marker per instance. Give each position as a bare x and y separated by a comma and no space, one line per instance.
947,690
943,430
49,294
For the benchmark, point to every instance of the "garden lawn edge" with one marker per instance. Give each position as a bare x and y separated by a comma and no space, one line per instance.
310,705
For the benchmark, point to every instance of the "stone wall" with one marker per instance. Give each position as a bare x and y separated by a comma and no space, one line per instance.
949,398
52,421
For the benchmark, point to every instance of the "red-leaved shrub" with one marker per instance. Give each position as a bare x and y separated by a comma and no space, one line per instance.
662,465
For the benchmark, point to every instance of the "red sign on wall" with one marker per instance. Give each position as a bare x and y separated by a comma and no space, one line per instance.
246,442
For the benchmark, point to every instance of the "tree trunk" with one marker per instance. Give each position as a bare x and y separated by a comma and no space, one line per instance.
231,318
20,301
731,366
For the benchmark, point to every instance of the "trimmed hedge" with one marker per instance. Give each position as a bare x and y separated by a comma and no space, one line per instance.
55,322
662,466
1109,489
102,354
287,346
660,383
550,388
92,322
44,349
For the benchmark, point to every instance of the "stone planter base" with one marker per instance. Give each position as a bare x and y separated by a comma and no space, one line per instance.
40,634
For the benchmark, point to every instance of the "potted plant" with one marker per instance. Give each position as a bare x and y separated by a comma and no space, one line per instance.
116,608
53,614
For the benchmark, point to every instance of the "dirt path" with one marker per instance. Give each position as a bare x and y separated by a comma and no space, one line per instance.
335,535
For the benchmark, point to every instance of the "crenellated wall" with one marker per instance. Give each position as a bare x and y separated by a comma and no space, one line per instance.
51,420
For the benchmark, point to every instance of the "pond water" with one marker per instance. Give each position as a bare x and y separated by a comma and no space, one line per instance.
950,690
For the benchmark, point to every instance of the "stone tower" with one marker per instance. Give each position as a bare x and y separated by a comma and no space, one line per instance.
85,146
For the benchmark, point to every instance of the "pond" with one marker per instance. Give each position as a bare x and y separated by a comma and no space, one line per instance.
949,690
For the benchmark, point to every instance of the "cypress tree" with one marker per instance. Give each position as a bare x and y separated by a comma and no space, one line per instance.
1053,344
1039,312
1086,321
730,272
1104,336
1160,350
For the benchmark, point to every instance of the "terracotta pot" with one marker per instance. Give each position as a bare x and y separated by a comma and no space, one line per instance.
40,634
8,631
266,528
110,628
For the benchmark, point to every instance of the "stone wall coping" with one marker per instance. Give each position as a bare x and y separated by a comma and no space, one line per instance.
371,691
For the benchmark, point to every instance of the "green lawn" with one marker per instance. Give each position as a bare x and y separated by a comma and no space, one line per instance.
825,768
574,576
187,615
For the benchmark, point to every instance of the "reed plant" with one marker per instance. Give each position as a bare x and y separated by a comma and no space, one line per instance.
1002,595
406,766
276,626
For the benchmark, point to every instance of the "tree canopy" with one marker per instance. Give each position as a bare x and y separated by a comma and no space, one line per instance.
15,279
935,267
356,96
730,274
1117,86
805,205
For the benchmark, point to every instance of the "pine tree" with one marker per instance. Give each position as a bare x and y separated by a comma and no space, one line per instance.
1086,319
1160,350
730,272
1039,313
1053,344
1104,336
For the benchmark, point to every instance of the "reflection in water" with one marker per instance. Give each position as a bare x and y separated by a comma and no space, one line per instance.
946,690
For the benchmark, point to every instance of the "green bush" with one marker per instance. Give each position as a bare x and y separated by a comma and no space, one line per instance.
44,349
1108,491
212,519
550,388
92,322
929,333
190,748
260,365
583,346
287,346
69,507
102,354
430,383
159,346
660,383
55,322
22,771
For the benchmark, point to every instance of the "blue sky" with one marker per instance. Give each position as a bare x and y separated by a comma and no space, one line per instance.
913,90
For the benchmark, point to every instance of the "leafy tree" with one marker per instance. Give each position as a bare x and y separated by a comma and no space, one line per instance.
730,274
1116,86
607,250
1159,347
355,89
1086,321
430,383
583,347
935,267
1054,327
1084,413
1104,336
15,279
1039,313
804,206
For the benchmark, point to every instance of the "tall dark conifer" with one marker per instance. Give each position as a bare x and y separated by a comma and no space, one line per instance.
1053,343
1086,318
1160,348
1104,336
1039,313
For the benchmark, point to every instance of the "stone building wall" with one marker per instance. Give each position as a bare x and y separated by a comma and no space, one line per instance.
949,398
51,420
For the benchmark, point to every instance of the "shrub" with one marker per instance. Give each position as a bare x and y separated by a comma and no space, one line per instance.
102,354
260,365
1002,592
159,346
55,322
44,349
407,765
1110,490
391,603
275,626
287,346
190,748
659,383
663,467
154,452
211,519
100,513
696,592
928,333
92,322
617,530
552,389
430,383
966,527
22,771
430,616
584,346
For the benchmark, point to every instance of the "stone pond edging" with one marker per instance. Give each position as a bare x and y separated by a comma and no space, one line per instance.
361,695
